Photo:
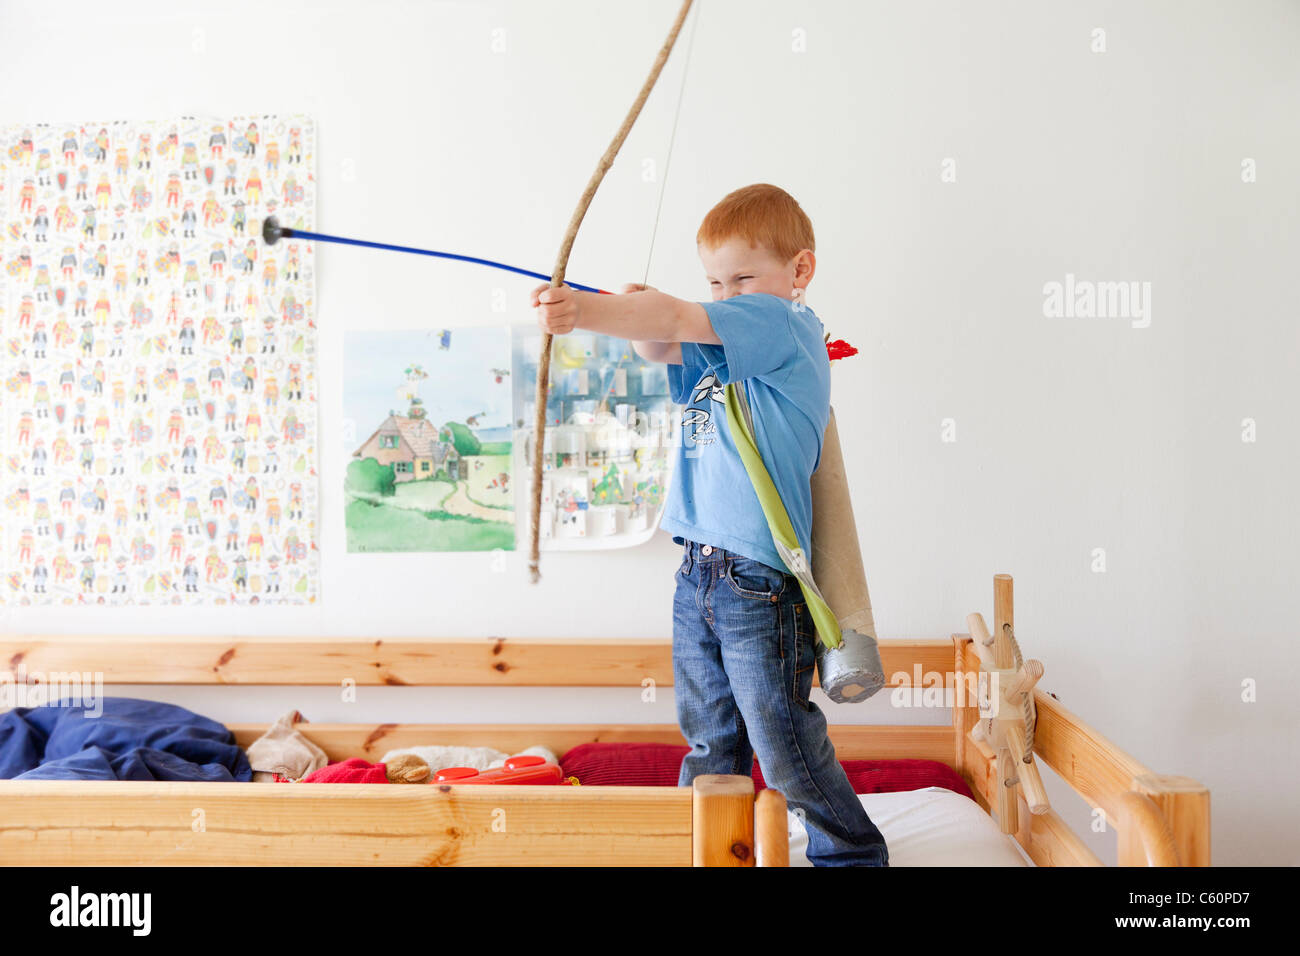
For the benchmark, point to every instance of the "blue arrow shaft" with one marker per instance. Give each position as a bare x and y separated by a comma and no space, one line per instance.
491,263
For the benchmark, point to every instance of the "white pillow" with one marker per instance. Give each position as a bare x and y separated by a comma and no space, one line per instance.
929,827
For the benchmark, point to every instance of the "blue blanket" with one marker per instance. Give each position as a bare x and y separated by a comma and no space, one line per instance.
130,740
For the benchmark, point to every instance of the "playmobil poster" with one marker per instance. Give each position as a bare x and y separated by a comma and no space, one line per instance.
440,427
609,428
158,415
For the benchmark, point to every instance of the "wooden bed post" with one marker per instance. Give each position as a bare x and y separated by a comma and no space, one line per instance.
771,829
1004,658
1185,805
965,710
1144,835
722,820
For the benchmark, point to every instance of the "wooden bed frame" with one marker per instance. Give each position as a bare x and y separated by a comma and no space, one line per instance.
1159,820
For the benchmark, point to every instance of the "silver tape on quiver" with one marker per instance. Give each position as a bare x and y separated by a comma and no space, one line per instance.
853,671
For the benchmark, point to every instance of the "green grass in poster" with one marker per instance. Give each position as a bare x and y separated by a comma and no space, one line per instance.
373,526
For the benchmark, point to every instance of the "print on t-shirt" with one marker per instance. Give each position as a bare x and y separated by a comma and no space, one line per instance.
698,424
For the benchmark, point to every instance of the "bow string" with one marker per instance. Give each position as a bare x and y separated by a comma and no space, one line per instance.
562,262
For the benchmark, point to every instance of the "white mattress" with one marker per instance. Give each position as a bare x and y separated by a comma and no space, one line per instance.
929,827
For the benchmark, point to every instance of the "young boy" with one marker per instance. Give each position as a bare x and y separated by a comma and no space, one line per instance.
743,639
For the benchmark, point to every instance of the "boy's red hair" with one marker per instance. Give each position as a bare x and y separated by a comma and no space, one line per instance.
763,214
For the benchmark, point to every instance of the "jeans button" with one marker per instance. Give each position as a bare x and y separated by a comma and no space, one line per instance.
707,549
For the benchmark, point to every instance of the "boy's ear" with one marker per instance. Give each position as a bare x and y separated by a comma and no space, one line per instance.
805,265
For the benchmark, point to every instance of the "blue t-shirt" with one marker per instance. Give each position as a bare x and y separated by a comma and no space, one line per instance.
777,353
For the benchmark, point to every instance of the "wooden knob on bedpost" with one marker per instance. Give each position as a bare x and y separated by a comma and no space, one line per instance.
1008,812
1003,622
1025,679
981,640
1030,780
722,820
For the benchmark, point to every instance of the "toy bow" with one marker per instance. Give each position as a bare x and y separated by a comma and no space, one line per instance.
562,262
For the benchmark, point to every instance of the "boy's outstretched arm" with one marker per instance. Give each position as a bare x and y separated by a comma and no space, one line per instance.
656,323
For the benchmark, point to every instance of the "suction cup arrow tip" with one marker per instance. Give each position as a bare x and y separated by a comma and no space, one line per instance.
272,231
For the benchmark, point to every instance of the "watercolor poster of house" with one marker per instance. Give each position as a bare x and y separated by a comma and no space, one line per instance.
431,467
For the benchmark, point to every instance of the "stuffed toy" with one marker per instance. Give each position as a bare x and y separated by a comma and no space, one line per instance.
284,753
407,768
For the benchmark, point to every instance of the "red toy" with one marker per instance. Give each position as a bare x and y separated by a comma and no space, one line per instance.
529,769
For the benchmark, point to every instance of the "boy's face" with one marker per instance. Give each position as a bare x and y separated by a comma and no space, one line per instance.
737,268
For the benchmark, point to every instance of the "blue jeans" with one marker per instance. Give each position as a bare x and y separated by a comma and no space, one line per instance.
743,660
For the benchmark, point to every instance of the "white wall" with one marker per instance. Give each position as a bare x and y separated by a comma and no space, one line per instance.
1072,434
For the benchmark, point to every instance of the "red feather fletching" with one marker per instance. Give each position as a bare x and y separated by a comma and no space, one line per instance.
839,349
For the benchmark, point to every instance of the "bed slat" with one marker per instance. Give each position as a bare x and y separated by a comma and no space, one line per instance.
372,741
446,662
130,823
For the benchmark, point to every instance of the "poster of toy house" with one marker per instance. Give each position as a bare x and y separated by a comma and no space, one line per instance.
428,415
608,444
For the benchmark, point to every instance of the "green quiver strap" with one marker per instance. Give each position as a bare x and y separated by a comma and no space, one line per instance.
778,520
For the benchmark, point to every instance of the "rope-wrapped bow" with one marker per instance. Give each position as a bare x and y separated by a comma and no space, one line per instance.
562,262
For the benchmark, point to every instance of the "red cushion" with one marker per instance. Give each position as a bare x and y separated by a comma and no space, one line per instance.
625,765
658,765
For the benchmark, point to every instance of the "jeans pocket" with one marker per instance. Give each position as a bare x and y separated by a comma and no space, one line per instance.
754,579
805,655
